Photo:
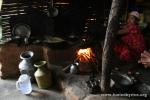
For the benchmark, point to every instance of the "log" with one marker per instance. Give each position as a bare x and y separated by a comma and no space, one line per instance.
109,38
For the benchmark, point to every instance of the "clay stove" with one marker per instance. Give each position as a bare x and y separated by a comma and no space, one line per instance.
86,59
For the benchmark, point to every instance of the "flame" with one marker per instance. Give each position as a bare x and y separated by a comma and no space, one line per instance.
85,55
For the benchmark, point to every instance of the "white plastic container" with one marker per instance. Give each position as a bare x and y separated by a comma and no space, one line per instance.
24,84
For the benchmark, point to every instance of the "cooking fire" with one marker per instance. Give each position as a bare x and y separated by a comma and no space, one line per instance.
85,55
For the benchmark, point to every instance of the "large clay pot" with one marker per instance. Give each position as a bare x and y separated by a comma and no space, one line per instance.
26,66
42,75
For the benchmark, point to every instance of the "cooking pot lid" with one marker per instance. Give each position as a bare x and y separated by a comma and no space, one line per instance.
54,40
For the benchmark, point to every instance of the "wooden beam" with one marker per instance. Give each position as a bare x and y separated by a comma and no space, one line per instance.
107,49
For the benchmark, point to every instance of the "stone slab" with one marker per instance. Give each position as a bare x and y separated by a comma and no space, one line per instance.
8,91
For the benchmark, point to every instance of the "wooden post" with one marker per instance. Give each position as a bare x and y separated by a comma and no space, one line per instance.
1,1
106,56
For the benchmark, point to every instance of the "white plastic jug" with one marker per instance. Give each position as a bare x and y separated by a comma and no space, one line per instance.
24,84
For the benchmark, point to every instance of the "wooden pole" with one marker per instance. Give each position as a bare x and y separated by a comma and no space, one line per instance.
109,37
1,1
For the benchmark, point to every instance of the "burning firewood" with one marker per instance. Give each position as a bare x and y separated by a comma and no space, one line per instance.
85,55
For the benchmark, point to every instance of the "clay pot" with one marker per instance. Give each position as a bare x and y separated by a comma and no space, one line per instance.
26,66
42,75
85,67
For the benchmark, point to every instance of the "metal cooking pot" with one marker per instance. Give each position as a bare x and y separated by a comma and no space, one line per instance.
122,81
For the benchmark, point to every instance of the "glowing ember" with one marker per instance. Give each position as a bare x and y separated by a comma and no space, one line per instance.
85,55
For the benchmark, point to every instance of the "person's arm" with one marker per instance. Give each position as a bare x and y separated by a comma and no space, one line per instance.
124,30
145,59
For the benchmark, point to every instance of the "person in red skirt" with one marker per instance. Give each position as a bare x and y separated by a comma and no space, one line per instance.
132,41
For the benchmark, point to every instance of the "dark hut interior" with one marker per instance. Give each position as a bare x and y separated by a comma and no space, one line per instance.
68,38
